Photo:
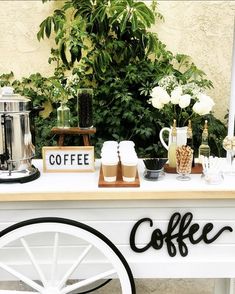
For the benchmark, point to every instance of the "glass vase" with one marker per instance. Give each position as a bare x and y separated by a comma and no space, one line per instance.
85,108
63,116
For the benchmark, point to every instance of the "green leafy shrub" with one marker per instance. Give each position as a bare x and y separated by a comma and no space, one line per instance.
108,46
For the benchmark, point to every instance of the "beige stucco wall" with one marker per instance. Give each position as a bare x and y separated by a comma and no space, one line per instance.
201,29
20,50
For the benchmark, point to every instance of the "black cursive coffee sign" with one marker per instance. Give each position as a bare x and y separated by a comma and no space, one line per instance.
179,229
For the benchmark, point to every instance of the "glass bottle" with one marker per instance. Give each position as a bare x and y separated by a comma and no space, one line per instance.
63,116
190,139
85,108
204,148
172,147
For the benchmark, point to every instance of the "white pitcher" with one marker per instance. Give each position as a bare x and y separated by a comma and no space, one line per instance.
181,136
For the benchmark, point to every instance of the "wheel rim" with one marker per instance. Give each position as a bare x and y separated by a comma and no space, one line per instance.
55,283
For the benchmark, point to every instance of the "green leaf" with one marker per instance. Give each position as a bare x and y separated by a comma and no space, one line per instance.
58,19
152,43
98,12
142,7
116,16
76,54
134,22
130,2
143,18
40,34
73,52
144,13
48,27
124,21
62,52
67,5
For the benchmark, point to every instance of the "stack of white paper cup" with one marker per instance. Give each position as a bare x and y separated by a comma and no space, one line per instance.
109,148
109,160
126,148
129,160
113,144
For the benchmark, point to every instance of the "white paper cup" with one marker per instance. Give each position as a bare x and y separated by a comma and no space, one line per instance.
129,169
109,168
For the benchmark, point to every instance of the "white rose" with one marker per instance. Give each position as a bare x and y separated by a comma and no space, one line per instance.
184,100
160,94
157,103
204,105
202,108
175,95
205,99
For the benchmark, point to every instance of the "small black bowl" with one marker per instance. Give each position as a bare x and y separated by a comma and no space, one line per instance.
153,175
154,168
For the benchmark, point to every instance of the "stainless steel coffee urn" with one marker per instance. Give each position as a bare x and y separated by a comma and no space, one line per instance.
16,148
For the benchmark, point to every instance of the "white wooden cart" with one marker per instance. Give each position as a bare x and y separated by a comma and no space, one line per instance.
62,227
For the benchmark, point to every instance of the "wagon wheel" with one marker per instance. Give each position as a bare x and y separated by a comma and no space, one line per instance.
55,256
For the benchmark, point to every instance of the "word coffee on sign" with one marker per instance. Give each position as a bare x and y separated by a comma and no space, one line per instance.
180,230
68,159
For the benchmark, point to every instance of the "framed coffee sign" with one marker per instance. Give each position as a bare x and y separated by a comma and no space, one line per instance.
68,159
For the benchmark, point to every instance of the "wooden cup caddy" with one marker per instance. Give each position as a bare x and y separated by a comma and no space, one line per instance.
119,181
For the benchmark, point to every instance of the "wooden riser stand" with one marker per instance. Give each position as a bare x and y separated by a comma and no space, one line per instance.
74,131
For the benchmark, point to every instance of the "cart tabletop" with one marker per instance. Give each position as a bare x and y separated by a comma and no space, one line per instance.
84,186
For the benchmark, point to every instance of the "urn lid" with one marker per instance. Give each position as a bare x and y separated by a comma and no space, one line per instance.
10,102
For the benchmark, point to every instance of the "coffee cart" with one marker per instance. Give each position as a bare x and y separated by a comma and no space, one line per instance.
64,227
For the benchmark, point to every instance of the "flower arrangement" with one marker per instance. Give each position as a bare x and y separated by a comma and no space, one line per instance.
182,101
64,89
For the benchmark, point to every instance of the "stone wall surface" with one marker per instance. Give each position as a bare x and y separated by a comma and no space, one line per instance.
201,29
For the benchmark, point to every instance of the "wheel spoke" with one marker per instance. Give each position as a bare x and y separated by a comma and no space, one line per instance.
21,277
34,262
55,258
87,282
74,266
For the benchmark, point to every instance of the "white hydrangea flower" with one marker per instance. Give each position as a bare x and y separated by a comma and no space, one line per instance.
168,81
176,94
192,87
184,100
